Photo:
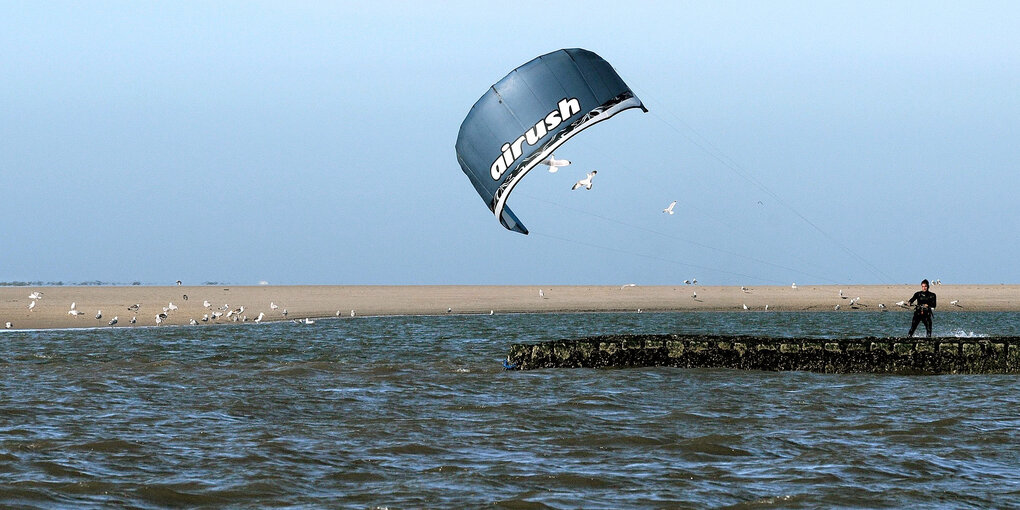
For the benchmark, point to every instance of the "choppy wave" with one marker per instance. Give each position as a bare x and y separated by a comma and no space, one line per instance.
418,412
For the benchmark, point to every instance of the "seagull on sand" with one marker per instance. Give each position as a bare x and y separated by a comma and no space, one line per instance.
955,302
586,182
766,308
554,164
35,295
285,312
31,306
134,319
113,320
901,303
273,305
134,307
206,303
352,313
171,306
836,307
745,307
541,294
193,322
793,285
695,295
99,314
882,306
259,318
8,325
841,296
670,208
744,289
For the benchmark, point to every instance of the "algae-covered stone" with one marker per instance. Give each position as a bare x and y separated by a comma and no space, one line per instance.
949,348
833,347
789,348
740,347
972,350
675,348
903,349
609,348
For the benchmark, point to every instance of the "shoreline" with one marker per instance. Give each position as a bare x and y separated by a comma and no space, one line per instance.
321,301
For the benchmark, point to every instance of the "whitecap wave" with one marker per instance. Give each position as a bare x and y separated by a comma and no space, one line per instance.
965,334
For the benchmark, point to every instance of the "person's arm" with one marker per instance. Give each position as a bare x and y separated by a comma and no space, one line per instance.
912,299
934,299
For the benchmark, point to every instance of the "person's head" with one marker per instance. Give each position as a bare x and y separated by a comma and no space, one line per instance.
924,284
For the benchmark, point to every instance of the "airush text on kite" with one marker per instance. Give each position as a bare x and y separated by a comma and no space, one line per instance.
566,108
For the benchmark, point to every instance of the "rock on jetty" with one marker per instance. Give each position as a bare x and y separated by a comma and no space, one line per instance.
946,355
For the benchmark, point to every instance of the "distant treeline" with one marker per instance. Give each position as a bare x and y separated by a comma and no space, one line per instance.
95,283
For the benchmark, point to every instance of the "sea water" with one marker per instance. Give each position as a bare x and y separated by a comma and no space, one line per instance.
418,412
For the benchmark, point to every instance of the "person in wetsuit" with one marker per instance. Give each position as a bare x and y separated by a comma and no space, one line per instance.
922,310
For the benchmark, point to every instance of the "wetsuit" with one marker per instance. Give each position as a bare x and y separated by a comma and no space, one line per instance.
922,314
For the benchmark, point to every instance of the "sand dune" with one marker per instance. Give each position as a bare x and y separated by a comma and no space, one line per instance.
51,310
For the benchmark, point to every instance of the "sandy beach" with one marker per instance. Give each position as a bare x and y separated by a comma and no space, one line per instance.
51,310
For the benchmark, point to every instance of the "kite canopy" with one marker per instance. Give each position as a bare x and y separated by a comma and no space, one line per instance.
533,110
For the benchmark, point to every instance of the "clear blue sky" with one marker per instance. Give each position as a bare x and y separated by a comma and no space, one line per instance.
313,143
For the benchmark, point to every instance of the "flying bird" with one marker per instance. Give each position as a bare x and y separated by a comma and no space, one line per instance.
35,295
624,286
670,208
586,182
554,164
901,303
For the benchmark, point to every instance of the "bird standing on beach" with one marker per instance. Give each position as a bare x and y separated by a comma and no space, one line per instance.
273,305
113,320
541,294
134,319
31,306
259,318
99,314
882,306
955,302
670,208
554,164
206,303
134,307
745,307
793,285
35,295
586,182
8,325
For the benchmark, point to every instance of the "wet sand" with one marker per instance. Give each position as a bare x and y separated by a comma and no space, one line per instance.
318,301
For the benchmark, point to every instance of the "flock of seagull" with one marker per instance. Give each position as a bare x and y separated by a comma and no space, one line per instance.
232,314
238,314
586,183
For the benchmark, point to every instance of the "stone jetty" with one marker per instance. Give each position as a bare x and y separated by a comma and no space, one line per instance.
945,355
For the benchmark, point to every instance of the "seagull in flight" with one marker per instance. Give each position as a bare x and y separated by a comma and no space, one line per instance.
35,295
586,182
670,208
554,164
624,286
